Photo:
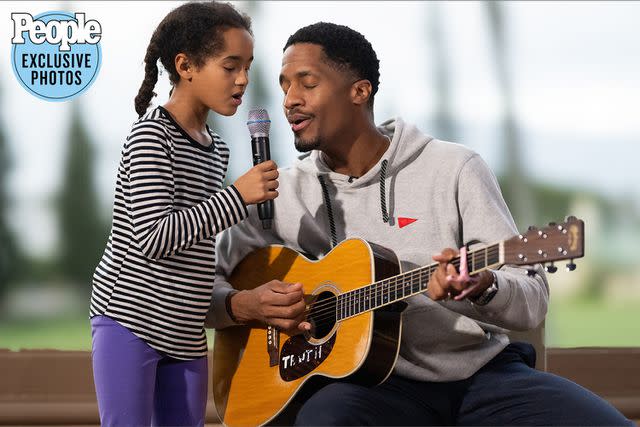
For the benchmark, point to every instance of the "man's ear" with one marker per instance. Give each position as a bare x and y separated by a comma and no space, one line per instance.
183,66
361,91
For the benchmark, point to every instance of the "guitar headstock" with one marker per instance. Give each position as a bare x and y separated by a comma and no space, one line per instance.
546,245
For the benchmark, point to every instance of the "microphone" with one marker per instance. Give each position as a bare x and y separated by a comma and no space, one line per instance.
259,124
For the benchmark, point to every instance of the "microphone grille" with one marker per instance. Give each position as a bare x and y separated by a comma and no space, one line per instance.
258,122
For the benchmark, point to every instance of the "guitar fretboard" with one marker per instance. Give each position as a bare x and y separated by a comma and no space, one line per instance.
407,284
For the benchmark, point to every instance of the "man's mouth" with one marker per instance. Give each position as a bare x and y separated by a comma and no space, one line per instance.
299,122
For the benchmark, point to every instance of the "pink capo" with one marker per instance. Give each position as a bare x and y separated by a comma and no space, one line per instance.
464,276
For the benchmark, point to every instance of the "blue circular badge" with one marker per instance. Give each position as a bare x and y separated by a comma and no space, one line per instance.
55,62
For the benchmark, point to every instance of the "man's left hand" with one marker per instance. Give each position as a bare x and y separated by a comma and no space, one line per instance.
449,283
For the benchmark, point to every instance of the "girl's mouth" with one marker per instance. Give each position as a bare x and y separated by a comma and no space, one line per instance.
237,99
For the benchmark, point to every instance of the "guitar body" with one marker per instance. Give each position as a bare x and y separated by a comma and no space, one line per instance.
354,302
251,385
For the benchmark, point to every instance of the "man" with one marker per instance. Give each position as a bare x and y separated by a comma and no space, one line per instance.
394,186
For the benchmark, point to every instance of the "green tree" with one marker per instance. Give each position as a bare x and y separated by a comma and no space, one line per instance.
515,185
10,255
444,125
258,92
83,233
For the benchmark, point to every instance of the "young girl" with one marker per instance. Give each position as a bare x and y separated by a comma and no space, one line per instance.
152,287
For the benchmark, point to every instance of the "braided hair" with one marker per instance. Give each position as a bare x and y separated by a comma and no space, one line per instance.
195,29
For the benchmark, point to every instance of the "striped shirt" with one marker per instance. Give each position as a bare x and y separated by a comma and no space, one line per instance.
156,274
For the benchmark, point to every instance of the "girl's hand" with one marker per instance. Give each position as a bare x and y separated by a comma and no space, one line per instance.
259,183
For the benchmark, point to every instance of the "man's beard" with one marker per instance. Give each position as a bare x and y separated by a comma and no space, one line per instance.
305,146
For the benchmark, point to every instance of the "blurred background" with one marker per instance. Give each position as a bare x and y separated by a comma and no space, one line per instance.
546,92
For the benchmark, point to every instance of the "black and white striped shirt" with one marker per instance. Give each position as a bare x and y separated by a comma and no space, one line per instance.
156,274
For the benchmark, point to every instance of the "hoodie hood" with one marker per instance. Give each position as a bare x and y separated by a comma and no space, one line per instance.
406,143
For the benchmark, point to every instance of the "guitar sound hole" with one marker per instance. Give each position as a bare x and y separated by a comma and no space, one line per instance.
322,315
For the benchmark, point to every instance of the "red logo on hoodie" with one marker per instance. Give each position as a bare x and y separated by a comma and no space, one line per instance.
403,222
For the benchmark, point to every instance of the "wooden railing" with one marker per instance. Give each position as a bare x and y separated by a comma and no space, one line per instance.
613,373
56,387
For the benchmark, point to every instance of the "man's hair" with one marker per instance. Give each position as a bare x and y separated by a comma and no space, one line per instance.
346,49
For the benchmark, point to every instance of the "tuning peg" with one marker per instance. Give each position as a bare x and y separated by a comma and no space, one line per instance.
552,224
551,268
532,227
531,272
571,266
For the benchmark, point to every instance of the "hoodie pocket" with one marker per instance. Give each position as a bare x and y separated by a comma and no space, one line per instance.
433,328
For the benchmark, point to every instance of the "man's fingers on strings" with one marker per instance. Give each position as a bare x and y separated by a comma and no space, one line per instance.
445,256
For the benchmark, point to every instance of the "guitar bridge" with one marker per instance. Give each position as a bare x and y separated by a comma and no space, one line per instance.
273,346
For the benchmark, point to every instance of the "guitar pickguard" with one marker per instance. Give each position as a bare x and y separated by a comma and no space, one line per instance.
298,356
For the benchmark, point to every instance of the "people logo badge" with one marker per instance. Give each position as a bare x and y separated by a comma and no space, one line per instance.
56,55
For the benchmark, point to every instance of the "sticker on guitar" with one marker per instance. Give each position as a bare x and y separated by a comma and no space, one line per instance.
299,357
306,356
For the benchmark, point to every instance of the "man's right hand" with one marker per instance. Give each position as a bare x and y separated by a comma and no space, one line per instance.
259,183
275,303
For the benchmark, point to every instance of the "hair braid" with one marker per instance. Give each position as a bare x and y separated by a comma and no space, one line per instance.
195,29
146,93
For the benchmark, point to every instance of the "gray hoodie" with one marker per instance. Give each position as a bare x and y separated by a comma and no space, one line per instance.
434,195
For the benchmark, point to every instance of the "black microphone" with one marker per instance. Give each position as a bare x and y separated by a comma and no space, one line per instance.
259,124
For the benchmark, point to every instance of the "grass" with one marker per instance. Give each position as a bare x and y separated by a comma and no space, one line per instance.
64,333
570,323
587,323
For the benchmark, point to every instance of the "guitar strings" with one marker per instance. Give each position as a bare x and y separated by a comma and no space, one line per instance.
328,308
378,290
377,285
354,304
329,314
329,311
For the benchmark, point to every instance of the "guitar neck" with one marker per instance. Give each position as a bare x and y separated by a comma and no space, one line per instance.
405,285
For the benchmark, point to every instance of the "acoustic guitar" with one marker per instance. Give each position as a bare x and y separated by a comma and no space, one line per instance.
354,304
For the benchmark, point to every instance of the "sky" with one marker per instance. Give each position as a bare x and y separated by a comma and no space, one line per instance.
575,69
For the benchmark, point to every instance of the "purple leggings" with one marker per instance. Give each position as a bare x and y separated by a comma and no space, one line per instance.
139,386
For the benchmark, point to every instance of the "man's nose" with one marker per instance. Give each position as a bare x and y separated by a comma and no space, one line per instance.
292,99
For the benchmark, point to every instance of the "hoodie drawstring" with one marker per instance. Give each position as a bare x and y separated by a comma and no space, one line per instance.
383,194
327,201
